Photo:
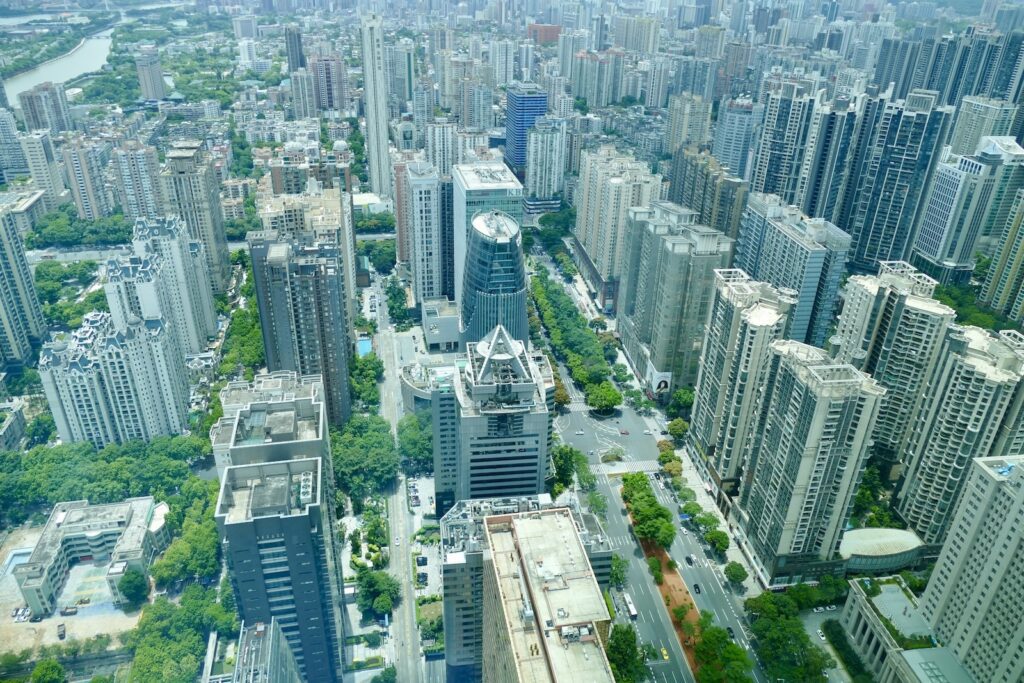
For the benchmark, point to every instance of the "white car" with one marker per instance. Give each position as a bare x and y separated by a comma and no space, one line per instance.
580,432
821,634
819,610
647,432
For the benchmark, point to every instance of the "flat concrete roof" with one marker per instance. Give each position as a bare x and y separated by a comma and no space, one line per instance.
936,665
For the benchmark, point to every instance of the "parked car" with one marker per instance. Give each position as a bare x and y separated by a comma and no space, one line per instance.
421,560
819,610
61,632
831,608
821,634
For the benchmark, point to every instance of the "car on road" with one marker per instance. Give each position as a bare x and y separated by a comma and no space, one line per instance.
821,634
579,432
696,588
689,558
664,432
732,634
687,533
664,654
624,432
398,542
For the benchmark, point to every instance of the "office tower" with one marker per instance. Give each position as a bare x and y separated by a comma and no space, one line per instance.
462,571
151,74
191,192
12,156
263,655
804,462
44,168
45,107
977,118
494,291
788,115
526,102
668,275
245,26
275,519
966,205
111,385
968,396
502,58
896,150
478,188
400,60
1003,289
21,317
502,421
304,96
733,141
424,216
746,317
570,43
974,595
891,328
597,77
293,48
610,183
779,245
300,290
137,180
330,82
375,94
528,553
689,121
546,164
247,53
826,164
85,174
701,183
165,277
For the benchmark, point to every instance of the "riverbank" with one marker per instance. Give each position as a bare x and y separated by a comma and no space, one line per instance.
94,30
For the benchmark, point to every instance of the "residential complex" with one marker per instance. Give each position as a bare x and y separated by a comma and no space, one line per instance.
21,316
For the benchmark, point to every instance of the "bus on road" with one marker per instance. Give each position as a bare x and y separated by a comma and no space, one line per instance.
629,605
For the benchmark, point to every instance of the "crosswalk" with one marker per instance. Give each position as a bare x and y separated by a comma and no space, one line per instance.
627,466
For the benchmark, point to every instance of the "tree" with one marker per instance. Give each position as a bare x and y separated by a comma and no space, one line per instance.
365,372
416,442
382,605
692,509
603,397
562,398
598,324
624,655
617,576
40,430
665,446
718,540
677,429
134,586
706,521
783,645
719,659
365,457
597,503
681,403
388,675
735,573
565,466
48,671
679,612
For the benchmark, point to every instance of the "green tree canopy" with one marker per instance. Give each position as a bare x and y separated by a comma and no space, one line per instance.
625,656
48,671
603,397
134,586
416,442
735,572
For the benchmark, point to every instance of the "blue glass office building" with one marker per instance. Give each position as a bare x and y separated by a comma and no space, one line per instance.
526,102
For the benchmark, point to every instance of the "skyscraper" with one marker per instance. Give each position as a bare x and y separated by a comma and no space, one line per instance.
969,396
151,74
804,462
300,290
45,107
375,94
979,117
526,103
137,180
12,156
85,173
746,316
330,82
304,96
779,245
111,385
424,215
689,121
667,281
716,193
546,153
1003,289
43,167
264,655
502,57
826,164
478,188
21,317
191,192
610,183
974,596
788,114
495,288
293,48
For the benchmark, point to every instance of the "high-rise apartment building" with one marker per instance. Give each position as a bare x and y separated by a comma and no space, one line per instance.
304,99
192,192
495,289
667,282
137,180
610,183
44,168
970,395
526,103
501,419
788,115
546,155
977,118
803,462
375,94
21,317
300,290
165,277
1003,289
111,385
734,137
891,328
330,82
569,43
825,165
502,58
779,245
84,170
597,76
966,204
424,215
45,107
701,183
293,48
975,594
479,188
465,554
151,74
746,317
12,156
689,121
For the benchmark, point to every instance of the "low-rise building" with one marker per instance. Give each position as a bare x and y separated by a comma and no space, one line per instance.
12,424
